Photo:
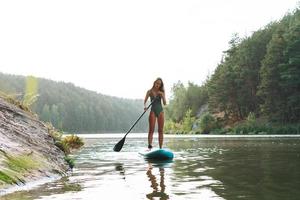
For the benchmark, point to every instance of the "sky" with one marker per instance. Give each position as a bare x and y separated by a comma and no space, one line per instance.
118,47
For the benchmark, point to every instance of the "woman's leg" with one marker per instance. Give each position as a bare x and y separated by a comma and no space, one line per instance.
152,119
161,121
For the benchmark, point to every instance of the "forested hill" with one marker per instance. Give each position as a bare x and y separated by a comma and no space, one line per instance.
257,82
260,74
71,108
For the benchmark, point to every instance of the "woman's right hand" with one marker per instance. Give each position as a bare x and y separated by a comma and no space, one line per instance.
160,93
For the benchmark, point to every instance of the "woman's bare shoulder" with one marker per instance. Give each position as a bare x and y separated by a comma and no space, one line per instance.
149,92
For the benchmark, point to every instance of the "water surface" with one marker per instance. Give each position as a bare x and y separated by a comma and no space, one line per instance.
203,168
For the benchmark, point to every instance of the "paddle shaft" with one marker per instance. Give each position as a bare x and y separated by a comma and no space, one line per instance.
140,117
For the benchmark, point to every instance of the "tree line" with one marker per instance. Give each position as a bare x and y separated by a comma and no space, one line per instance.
258,77
74,109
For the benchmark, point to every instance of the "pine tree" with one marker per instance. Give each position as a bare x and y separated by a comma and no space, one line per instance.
269,89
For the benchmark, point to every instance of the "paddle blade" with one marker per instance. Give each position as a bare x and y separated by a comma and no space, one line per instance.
119,145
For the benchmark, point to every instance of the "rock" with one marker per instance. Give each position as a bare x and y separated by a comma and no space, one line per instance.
23,138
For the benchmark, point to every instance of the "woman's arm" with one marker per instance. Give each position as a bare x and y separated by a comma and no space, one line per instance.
162,94
164,99
146,99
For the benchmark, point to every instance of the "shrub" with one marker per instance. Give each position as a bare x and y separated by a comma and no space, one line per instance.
70,161
251,119
169,126
188,121
73,141
63,146
207,123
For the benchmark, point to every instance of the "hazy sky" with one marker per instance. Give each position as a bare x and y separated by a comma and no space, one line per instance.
119,47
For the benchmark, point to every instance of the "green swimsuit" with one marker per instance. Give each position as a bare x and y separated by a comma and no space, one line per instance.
156,106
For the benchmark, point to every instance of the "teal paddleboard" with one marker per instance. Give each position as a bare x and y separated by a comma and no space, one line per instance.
158,154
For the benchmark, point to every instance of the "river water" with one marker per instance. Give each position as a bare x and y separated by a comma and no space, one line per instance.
203,168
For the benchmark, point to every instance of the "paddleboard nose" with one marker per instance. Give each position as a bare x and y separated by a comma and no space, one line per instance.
159,154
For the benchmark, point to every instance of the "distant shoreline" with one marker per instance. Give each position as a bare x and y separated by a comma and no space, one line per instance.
144,135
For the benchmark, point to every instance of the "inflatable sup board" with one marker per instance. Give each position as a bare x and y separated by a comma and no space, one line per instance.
158,154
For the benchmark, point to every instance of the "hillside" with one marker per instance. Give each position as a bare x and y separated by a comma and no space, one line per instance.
73,109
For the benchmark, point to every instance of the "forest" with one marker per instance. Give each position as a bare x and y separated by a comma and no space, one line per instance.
74,109
254,89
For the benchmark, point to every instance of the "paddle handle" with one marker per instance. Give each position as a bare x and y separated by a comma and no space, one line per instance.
140,116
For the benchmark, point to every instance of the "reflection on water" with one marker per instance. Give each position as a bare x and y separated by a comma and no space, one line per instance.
119,167
203,168
158,189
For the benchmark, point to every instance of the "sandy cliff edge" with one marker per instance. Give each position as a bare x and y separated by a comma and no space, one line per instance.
28,153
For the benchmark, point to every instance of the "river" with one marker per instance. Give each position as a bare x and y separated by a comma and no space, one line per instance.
206,167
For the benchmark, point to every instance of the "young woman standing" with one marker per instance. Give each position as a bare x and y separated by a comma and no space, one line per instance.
157,96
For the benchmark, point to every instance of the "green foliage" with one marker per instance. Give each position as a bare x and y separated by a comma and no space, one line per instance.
58,139
266,128
183,127
63,146
289,78
252,125
279,89
70,161
269,89
184,98
16,166
207,123
12,99
22,163
171,127
4,178
73,141
232,88
54,133
188,121
67,143
71,187
251,119
177,105
286,129
258,77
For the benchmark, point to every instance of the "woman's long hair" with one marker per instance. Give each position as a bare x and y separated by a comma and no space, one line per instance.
161,88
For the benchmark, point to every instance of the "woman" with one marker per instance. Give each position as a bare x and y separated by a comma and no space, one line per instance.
157,95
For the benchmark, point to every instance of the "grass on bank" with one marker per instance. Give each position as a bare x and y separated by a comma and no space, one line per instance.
22,163
12,99
4,178
15,167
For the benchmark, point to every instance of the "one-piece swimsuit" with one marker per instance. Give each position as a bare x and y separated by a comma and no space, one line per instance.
156,106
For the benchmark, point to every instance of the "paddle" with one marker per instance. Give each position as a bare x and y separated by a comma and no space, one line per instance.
120,144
